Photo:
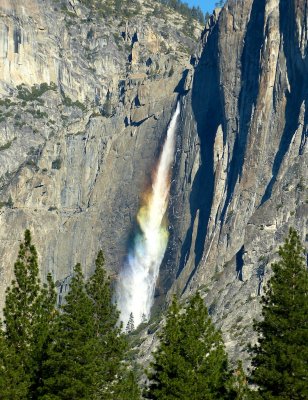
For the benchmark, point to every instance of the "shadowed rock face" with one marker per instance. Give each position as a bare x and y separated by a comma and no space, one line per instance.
73,170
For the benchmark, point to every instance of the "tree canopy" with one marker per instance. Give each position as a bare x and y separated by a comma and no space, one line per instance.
190,362
185,10
280,358
76,351
28,313
86,351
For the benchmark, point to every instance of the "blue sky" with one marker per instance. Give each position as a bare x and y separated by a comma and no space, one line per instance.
206,5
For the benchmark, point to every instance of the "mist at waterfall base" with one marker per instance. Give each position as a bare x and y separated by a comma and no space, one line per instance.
137,280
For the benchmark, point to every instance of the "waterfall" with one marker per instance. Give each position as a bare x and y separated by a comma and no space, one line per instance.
137,280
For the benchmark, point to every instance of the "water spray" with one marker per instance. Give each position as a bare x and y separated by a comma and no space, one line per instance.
137,280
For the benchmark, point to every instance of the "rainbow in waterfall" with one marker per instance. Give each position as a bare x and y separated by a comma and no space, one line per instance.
137,280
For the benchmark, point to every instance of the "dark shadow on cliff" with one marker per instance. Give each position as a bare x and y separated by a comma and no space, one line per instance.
297,77
180,88
239,264
250,66
207,111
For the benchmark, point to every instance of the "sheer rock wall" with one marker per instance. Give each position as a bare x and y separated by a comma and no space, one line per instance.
242,173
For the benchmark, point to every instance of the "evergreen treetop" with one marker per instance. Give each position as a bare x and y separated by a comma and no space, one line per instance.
86,351
190,362
22,297
281,354
29,309
112,342
98,289
130,327
69,371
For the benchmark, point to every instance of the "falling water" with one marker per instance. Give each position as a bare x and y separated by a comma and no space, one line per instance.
137,280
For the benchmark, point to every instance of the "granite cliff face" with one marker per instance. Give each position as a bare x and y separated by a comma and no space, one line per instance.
80,137
77,151
242,173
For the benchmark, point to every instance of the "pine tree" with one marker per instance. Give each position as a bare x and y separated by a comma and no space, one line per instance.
69,371
98,289
281,354
240,384
28,311
127,387
130,327
86,351
115,381
190,362
14,383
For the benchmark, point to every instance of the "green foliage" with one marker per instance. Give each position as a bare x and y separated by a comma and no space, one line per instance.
66,11
107,109
126,388
10,202
7,103
119,8
6,145
69,369
118,39
130,327
157,12
184,9
107,330
56,164
86,350
28,313
240,384
190,362
281,354
130,8
35,92
14,382
68,102
301,185
37,113
116,380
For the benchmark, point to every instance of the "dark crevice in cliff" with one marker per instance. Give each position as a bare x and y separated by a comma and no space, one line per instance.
305,130
250,71
17,39
239,264
297,77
